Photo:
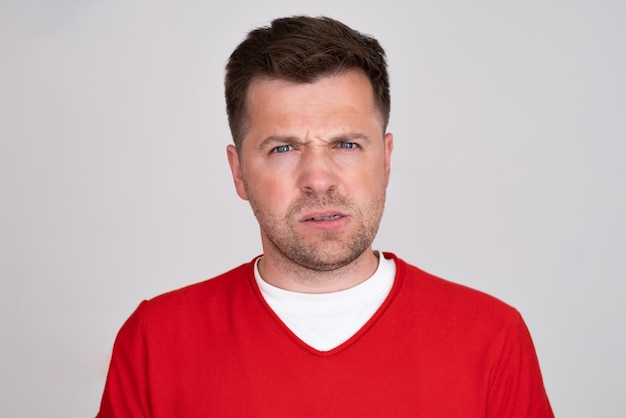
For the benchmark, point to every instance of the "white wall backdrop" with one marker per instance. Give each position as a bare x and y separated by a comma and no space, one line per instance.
508,173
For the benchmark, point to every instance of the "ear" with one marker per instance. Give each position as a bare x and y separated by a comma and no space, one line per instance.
388,140
235,168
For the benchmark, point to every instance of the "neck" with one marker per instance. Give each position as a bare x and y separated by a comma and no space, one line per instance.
281,272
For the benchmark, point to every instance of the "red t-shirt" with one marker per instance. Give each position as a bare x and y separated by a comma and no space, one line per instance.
433,349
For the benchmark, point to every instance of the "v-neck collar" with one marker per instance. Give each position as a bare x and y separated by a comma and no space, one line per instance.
397,283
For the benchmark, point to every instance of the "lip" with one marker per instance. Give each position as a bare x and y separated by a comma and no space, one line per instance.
315,216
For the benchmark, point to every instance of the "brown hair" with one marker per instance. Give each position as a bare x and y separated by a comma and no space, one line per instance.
302,49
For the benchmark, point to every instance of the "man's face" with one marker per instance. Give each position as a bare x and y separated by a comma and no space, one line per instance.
314,165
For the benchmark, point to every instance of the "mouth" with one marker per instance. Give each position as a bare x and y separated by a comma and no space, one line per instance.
324,218
328,220
323,215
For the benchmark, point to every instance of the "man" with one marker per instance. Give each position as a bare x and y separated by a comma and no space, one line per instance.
320,324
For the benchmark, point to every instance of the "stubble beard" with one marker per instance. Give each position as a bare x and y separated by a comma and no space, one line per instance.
327,250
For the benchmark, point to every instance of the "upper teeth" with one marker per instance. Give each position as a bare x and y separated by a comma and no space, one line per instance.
325,218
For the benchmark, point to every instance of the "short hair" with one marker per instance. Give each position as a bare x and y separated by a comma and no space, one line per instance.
302,49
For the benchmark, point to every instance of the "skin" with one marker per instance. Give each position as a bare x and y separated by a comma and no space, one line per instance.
314,165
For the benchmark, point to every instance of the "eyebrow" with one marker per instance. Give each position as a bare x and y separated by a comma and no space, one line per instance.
273,139
352,136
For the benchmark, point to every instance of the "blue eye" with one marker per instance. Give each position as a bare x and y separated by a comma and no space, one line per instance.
347,145
282,149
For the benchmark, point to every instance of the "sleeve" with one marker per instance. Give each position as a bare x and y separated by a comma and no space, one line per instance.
518,390
126,392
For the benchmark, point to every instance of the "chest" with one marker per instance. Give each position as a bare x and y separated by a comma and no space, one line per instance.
399,365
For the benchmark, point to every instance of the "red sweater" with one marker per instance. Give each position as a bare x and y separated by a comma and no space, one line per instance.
433,349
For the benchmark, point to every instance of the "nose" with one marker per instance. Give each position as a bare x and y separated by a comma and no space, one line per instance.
317,172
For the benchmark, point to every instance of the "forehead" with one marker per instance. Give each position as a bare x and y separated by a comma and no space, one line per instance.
333,97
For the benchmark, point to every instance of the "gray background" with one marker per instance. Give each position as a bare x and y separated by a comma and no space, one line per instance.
507,176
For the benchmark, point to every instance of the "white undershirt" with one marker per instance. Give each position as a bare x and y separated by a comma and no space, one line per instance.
326,320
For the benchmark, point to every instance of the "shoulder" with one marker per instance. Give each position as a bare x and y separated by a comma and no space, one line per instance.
199,298
444,298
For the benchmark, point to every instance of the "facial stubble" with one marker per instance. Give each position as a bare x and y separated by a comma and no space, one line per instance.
326,250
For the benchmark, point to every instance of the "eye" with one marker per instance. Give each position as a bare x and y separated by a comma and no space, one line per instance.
282,149
347,145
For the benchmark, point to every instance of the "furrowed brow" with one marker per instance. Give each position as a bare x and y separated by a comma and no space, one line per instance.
272,141
349,137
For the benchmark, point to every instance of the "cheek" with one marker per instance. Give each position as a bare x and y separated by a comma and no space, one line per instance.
270,192
367,179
